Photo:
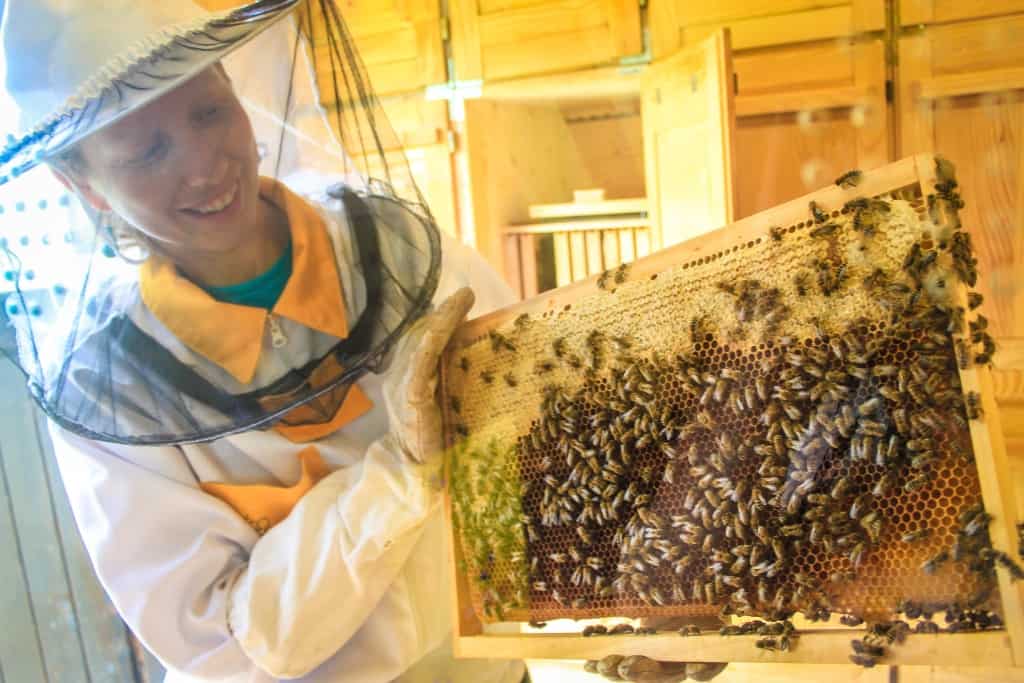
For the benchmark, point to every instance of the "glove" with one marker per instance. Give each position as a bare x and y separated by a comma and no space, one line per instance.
646,670
409,395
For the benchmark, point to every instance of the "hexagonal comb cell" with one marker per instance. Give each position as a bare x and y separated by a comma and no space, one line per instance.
775,427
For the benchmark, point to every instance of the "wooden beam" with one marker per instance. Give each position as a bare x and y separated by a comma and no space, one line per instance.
798,100
827,646
609,81
977,82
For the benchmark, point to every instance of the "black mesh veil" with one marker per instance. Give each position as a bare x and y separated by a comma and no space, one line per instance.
105,367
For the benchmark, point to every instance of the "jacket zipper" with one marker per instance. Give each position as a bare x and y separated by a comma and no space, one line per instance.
277,336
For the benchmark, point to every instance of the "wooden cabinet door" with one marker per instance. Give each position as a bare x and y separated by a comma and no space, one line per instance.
501,39
961,95
761,23
689,130
400,42
805,114
913,12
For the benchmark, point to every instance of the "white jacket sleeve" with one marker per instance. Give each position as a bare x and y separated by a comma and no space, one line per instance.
208,596
315,577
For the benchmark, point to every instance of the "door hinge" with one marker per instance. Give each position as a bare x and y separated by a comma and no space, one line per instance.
890,91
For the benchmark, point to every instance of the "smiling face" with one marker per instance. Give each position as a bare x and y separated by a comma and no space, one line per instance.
182,170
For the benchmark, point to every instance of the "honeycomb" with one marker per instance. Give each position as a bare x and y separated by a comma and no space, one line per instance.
760,431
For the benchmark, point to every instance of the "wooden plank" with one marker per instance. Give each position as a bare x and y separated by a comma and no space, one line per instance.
829,646
961,674
578,254
595,260
972,46
513,269
582,225
41,553
915,120
989,81
779,69
642,239
576,209
104,636
563,260
609,81
528,265
801,100
571,671
537,54
779,29
465,40
21,655
505,40
627,249
610,248
690,13
870,117
939,11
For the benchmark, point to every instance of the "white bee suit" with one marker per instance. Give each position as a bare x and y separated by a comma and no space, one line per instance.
352,586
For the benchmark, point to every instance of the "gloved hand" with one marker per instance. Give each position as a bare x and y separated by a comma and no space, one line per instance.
410,392
647,670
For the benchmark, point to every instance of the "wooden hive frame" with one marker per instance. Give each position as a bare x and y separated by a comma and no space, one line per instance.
995,648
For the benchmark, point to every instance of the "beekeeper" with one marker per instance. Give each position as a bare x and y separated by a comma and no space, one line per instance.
240,381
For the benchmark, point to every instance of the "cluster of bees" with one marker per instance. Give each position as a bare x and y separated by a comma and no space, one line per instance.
694,480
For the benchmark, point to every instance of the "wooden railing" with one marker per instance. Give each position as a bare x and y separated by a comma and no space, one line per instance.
563,247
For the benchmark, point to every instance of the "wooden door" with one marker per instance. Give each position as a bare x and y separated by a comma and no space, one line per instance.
689,131
502,39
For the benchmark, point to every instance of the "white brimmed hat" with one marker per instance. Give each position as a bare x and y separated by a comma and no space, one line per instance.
76,66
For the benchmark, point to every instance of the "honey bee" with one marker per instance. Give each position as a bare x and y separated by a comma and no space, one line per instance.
621,273
849,179
603,278
820,216
487,376
461,431
500,341
824,230
456,404
850,620
974,299
972,403
931,565
464,364
776,232
543,367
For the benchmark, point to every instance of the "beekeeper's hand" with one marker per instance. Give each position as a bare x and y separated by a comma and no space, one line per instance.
410,392
646,670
